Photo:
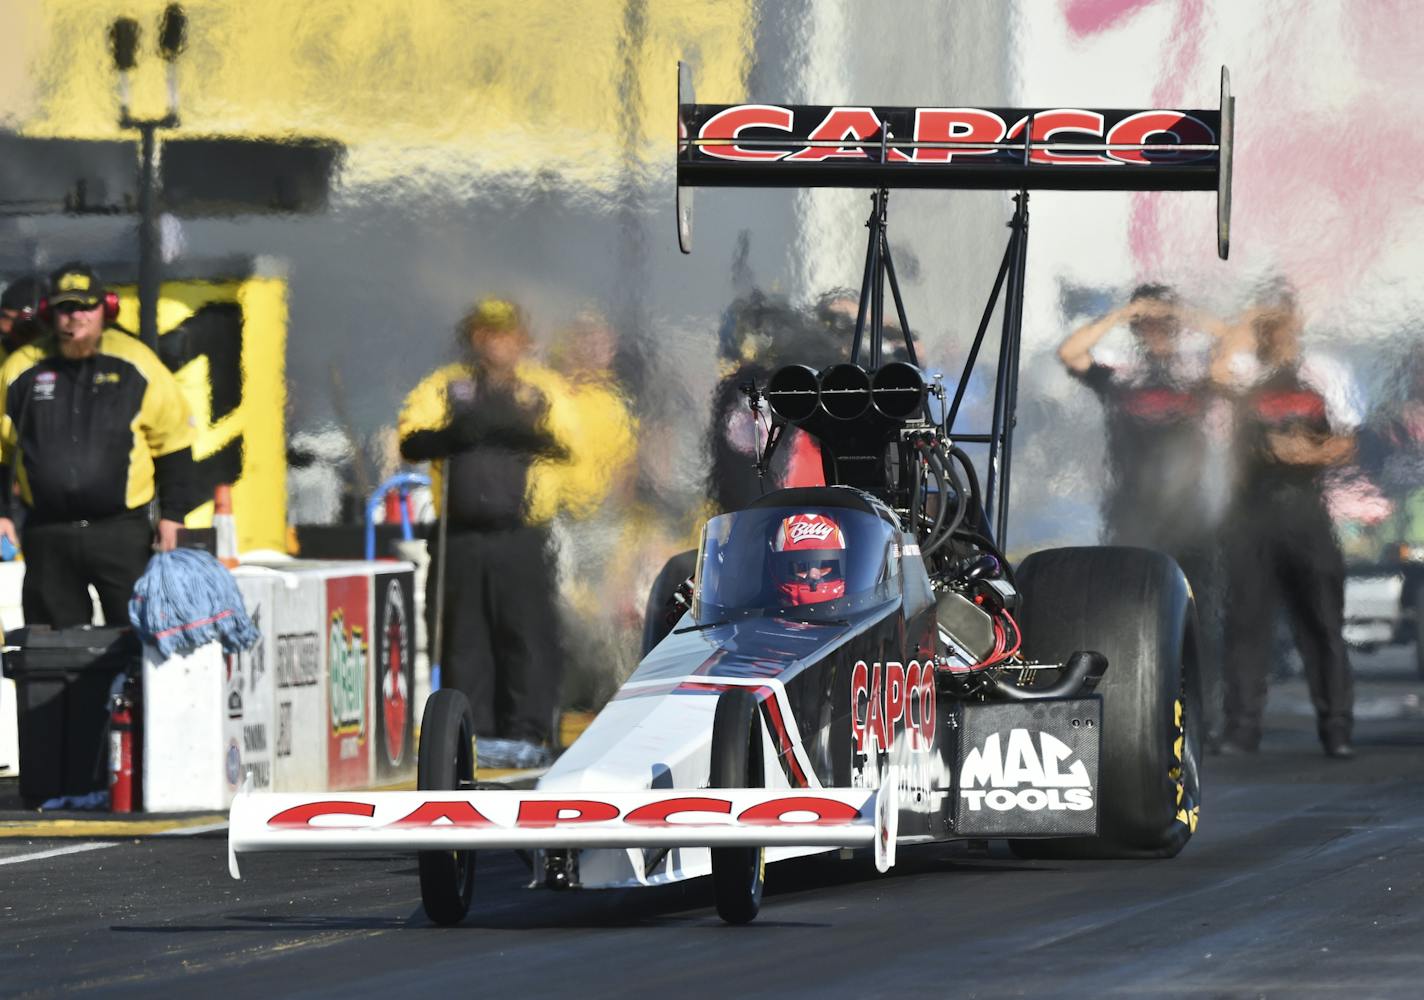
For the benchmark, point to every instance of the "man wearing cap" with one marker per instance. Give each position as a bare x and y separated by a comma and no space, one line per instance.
1296,419
1158,408
93,429
19,314
494,423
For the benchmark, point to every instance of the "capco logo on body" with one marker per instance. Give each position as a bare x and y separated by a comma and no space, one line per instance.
1024,776
890,699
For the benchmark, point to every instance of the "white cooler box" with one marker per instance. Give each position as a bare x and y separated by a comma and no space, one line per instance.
324,702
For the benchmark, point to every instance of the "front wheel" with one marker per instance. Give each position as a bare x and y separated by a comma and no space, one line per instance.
446,763
1136,608
738,873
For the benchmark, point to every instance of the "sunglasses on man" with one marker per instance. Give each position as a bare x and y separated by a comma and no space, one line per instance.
69,308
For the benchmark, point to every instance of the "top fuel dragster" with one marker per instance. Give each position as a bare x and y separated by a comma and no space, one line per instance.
859,664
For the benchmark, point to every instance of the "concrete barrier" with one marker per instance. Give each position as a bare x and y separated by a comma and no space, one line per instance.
325,702
12,576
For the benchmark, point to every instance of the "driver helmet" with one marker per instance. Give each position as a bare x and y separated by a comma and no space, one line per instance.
808,559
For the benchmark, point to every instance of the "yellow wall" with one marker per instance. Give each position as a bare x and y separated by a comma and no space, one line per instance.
434,86
259,497
452,91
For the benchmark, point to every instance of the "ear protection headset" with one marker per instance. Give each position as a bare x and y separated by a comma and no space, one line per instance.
109,300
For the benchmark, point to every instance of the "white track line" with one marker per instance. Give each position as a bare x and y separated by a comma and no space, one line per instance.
56,852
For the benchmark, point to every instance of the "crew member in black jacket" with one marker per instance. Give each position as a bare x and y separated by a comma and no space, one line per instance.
1155,409
485,423
19,320
94,428
1281,542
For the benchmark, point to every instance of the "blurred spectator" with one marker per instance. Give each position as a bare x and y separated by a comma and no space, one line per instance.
759,334
93,427
836,311
19,314
596,495
1294,421
1392,453
319,482
491,423
601,435
748,352
19,325
1156,408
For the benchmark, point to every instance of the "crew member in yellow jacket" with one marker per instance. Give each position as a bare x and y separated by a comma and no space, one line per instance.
499,426
598,555
602,431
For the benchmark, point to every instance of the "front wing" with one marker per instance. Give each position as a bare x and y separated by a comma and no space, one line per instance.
481,820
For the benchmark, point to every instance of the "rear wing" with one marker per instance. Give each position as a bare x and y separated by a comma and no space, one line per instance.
1060,149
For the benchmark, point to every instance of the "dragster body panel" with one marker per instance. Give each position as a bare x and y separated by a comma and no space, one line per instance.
815,682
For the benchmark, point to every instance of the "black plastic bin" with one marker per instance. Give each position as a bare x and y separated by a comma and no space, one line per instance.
62,682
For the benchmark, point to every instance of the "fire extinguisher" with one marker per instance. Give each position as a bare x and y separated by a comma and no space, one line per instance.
123,777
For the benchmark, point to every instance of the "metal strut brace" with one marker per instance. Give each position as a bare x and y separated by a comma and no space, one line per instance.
879,267
773,435
972,360
1006,382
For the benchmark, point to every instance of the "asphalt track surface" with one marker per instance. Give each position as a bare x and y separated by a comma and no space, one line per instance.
1305,879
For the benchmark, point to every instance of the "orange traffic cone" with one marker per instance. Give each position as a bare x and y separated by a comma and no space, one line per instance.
225,525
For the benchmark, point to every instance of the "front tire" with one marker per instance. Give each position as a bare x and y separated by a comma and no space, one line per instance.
1134,606
738,873
446,762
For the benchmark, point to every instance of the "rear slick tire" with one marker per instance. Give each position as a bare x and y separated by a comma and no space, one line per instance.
1419,629
446,762
1136,607
738,873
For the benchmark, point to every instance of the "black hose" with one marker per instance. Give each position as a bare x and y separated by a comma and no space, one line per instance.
984,543
945,478
916,495
937,470
964,499
941,508
957,452
969,534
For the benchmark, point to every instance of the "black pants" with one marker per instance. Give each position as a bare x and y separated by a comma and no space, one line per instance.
500,641
1192,543
1283,549
63,558
1202,565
